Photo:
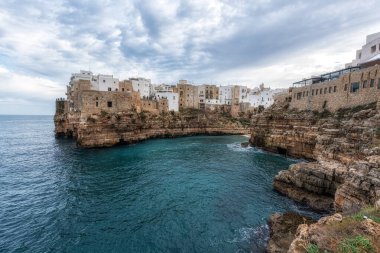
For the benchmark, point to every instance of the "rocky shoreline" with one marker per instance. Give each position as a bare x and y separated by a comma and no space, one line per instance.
342,175
109,129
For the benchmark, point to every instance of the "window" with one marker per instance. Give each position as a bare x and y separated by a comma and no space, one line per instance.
372,83
122,89
320,91
299,94
325,90
109,89
303,94
373,49
334,88
97,98
330,89
355,87
97,103
109,103
345,87
312,92
378,84
365,84
316,92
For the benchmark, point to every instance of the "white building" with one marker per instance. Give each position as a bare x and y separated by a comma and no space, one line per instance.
82,75
172,97
262,96
143,86
243,94
105,83
99,82
225,95
369,52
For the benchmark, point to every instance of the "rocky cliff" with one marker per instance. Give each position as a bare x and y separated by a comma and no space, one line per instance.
107,129
343,152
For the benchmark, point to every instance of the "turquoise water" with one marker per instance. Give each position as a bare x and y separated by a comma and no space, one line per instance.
192,194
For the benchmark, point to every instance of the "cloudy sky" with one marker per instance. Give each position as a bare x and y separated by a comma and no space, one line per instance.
205,41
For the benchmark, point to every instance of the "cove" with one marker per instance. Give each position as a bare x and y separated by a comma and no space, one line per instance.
190,194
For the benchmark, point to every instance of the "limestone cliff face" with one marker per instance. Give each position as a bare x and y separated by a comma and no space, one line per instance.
108,129
343,149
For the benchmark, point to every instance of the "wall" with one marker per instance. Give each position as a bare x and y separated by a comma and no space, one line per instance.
105,83
225,95
337,93
93,102
141,85
125,86
154,106
188,96
173,104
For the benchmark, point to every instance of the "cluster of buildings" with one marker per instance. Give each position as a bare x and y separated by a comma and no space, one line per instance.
357,84
180,96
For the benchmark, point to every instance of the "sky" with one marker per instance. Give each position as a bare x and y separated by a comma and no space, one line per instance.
275,42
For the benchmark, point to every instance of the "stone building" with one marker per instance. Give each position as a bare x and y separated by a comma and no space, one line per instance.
125,86
239,94
340,89
188,95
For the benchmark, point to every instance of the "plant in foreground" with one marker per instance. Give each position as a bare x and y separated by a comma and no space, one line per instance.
358,244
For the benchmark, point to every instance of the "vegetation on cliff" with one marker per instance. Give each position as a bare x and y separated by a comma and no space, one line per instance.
358,232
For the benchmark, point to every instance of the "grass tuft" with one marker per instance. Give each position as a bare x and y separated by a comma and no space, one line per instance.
312,248
358,244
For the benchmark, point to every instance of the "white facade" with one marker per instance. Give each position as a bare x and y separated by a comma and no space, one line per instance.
99,82
172,97
225,95
143,86
264,97
369,52
105,83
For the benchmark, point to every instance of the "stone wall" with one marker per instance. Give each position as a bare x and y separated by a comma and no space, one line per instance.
154,106
335,94
93,102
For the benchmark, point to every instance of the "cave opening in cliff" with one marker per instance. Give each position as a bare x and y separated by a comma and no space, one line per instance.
282,151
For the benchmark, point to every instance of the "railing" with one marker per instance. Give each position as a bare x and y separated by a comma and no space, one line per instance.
325,77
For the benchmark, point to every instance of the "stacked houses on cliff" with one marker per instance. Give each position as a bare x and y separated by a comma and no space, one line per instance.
91,93
357,84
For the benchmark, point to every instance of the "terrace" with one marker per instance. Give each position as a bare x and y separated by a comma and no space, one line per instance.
325,77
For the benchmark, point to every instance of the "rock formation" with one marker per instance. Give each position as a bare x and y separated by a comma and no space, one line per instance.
343,152
107,129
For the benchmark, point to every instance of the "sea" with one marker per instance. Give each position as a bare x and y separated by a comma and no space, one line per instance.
189,194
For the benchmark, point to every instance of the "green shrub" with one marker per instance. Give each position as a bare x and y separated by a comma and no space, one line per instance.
312,248
358,244
370,212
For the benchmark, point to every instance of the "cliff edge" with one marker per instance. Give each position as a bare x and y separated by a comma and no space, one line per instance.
106,129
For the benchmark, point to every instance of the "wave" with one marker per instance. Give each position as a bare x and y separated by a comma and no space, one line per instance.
238,148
